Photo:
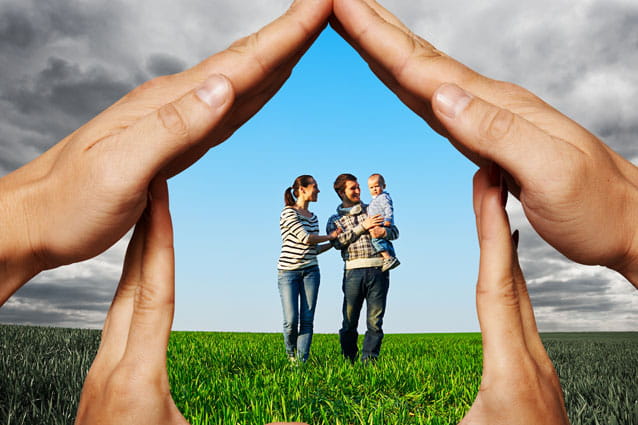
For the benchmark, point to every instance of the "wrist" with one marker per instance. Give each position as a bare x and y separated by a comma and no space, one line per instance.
19,261
627,264
360,229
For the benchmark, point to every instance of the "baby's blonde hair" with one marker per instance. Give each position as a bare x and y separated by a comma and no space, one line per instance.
381,179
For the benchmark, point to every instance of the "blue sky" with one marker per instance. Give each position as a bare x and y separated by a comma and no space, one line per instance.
332,116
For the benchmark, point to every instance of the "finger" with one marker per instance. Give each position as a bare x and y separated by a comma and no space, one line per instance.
155,295
497,134
532,337
484,178
386,15
497,301
480,185
118,318
139,152
242,110
271,47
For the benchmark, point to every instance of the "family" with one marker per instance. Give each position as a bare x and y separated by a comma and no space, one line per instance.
82,195
362,233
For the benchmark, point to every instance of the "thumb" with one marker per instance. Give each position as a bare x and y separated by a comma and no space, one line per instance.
148,145
496,134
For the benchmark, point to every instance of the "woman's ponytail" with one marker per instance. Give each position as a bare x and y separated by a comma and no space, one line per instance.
289,197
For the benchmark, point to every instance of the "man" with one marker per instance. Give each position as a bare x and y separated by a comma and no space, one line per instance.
362,276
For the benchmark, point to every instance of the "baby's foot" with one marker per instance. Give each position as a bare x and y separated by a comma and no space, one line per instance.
390,263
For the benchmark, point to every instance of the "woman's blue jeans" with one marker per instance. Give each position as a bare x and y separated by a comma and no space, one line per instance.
298,290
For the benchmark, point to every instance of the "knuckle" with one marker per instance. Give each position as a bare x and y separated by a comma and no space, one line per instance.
173,121
496,125
145,298
149,298
419,52
249,47
505,294
149,85
241,45
291,14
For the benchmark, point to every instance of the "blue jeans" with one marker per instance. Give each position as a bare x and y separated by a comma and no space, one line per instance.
369,284
380,244
298,290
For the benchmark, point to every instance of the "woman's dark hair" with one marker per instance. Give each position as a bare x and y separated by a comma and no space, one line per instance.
292,193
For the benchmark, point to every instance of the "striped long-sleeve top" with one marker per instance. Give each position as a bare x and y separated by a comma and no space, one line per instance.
296,252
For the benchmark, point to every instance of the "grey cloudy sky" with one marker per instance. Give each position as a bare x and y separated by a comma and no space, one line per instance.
63,61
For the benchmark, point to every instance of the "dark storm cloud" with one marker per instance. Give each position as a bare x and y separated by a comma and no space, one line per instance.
18,315
162,64
16,31
59,300
67,291
63,86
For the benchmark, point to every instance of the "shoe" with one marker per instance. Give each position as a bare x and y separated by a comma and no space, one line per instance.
369,361
390,263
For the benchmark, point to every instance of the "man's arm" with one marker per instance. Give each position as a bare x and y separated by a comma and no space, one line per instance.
389,233
351,234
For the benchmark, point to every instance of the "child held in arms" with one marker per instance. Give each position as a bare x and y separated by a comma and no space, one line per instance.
382,204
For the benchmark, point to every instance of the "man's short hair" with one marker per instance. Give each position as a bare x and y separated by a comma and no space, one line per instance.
340,183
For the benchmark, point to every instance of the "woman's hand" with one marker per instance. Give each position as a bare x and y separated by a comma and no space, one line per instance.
333,235
86,192
519,383
128,382
577,193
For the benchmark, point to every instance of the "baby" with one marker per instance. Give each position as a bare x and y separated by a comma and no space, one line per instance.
382,204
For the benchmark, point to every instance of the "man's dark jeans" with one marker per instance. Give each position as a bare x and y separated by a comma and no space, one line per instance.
369,284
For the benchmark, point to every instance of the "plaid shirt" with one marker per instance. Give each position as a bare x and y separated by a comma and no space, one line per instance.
354,240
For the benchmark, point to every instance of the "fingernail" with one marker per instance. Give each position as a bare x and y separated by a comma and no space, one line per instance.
214,91
515,239
451,100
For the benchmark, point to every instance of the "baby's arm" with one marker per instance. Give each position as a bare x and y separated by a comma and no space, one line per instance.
388,210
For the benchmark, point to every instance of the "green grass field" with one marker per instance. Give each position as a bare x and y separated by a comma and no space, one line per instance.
233,378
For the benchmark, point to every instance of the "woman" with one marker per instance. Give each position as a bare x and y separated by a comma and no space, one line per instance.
298,269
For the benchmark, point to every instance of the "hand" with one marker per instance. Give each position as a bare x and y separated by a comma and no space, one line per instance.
128,382
336,232
86,192
372,221
378,232
577,193
519,383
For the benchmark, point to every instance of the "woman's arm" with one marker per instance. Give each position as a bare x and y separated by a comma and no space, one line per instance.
290,221
317,239
323,248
